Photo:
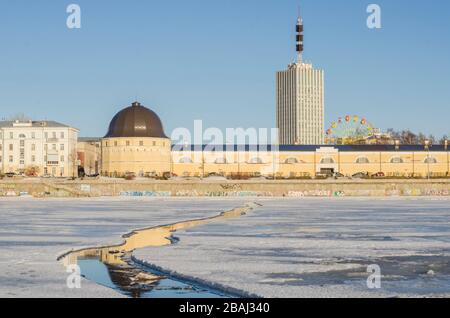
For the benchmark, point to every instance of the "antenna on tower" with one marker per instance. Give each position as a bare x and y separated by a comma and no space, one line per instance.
299,37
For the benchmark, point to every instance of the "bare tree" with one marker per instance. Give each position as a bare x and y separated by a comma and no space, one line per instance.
393,133
432,139
408,138
73,158
20,117
421,138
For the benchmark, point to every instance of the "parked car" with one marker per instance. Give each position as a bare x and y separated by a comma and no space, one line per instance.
215,176
184,178
10,174
322,176
360,175
130,176
152,174
260,178
338,175
165,176
378,175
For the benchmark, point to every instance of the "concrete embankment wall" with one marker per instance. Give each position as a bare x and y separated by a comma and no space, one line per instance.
310,188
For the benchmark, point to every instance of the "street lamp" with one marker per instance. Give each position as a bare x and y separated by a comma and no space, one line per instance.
446,150
427,147
397,144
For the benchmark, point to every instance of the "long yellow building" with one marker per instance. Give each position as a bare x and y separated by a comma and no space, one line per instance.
310,161
136,143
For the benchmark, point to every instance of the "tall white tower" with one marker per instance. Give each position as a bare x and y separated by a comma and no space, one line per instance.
300,100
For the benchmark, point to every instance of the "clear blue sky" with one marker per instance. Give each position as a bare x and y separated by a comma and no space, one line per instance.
216,60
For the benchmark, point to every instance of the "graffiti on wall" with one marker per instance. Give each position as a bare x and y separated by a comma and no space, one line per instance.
435,192
85,187
145,194
234,187
414,192
426,192
239,194
8,193
315,193
187,193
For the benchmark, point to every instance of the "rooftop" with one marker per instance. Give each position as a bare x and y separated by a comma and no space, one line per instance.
309,148
89,139
39,123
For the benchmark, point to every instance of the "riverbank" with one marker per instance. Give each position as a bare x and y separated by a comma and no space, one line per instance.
226,188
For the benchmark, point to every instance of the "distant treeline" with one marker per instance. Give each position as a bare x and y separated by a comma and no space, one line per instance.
407,137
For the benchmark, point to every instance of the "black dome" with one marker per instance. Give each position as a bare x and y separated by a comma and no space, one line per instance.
136,121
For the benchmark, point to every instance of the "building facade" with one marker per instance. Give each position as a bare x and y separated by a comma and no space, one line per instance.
89,155
300,105
38,148
309,161
300,101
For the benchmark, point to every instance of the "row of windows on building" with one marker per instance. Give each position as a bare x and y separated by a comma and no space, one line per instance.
128,143
32,159
32,135
53,171
33,146
326,160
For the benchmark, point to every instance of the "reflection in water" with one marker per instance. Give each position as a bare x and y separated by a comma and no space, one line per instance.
111,266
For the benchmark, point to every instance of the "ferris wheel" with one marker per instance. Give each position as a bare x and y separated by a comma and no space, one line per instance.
349,130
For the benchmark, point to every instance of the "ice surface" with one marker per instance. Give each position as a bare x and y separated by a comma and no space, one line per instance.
319,248
34,232
307,247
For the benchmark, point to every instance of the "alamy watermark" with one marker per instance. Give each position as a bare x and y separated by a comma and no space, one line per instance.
256,145
374,279
74,19
374,19
73,281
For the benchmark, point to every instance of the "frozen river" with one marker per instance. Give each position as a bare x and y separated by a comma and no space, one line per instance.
285,248
321,248
34,233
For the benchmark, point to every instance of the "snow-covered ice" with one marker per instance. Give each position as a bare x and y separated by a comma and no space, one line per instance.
34,232
308,247
320,248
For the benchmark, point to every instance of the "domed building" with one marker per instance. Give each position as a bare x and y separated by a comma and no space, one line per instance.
135,143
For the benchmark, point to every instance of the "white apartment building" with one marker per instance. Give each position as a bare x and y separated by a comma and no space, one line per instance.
300,105
45,146
300,100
